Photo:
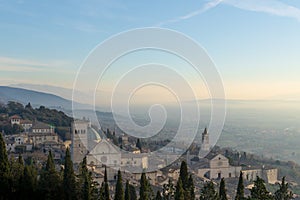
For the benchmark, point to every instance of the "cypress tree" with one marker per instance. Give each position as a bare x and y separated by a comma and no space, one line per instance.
127,191
69,178
50,182
29,183
208,192
259,191
191,188
145,190
5,176
85,181
222,191
184,175
119,194
138,144
106,187
240,188
133,195
179,193
102,193
17,170
283,193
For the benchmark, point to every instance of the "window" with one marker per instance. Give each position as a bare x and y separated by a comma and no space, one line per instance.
229,175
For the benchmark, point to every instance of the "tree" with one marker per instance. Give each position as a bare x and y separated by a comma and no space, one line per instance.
138,144
17,170
119,194
191,188
283,193
145,189
127,191
168,190
208,192
69,178
28,106
50,177
259,191
88,186
133,195
158,196
5,176
240,188
222,191
184,175
179,193
29,183
106,187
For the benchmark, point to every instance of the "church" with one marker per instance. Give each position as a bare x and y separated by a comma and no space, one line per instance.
100,152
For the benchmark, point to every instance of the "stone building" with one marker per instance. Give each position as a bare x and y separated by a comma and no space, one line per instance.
270,175
217,167
205,146
15,119
84,138
41,133
101,152
26,124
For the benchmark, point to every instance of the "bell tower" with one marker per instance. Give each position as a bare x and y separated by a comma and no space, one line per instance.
79,148
205,147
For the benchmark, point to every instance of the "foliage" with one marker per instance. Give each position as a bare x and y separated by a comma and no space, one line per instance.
259,191
104,190
184,175
127,191
168,190
145,188
222,191
208,192
5,176
179,193
50,177
69,182
119,194
283,193
240,188
42,114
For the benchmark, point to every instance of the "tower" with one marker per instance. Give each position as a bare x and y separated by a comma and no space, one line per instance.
205,141
79,137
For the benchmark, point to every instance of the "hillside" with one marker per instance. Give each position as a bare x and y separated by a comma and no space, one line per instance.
60,120
35,98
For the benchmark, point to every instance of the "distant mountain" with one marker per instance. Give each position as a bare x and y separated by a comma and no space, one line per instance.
36,98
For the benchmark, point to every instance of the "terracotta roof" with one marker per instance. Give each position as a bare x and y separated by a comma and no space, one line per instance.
15,117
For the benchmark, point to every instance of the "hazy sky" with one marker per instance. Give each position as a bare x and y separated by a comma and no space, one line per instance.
255,44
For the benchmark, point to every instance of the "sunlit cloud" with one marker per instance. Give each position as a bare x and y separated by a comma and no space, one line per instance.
10,64
272,7
203,9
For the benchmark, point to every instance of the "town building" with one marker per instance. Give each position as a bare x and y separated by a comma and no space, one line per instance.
101,152
217,167
270,175
15,119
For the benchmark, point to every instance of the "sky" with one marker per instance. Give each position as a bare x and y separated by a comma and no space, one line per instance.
254,44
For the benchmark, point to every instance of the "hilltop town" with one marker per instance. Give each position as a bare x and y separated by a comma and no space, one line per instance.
106,153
